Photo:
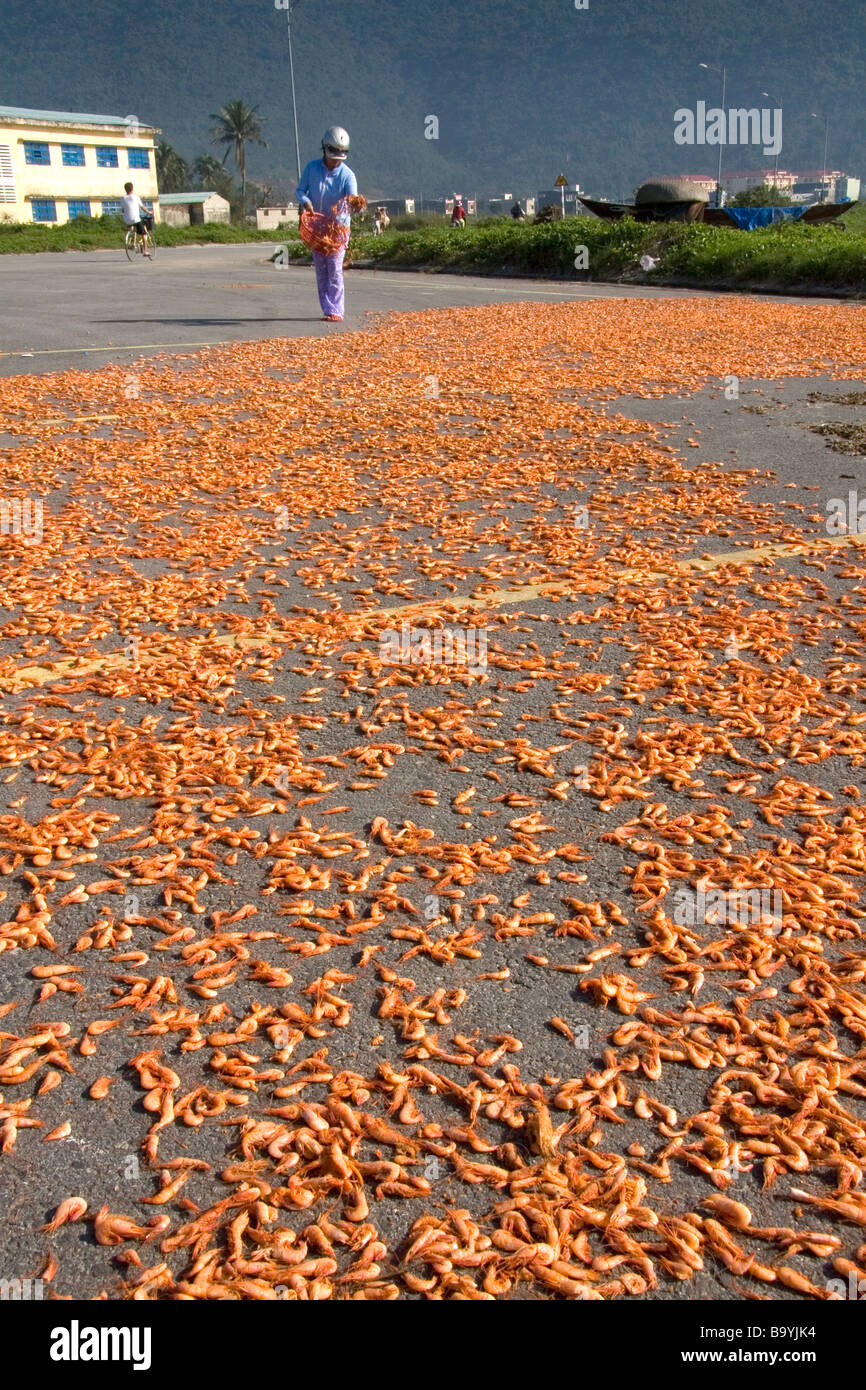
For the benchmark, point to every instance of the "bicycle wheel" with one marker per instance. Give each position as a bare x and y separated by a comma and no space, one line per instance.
129,243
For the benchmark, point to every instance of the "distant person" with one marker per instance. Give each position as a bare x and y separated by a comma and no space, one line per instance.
135,216
517,213
458,216
323,184
382,222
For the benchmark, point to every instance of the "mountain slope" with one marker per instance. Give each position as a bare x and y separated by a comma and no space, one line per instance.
522,88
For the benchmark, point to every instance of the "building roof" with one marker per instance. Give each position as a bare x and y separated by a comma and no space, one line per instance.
181,199
762,174
789,173
25,113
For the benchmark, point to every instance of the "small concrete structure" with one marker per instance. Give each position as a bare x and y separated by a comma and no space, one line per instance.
191,209
269,218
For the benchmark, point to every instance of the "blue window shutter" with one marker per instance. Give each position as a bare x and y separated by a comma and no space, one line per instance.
36,152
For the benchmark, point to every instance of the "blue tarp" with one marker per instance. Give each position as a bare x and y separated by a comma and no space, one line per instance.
748,219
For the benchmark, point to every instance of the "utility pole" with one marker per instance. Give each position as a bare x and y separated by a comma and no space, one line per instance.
776,164
290,6
723,70
826,120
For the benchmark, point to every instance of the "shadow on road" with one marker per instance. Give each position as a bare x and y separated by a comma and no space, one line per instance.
215,323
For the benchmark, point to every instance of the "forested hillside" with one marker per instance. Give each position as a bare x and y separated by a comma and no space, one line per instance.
522,88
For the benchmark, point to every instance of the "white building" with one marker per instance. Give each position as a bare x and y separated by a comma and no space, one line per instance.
269,218
57,165
568,197
191,209
808,186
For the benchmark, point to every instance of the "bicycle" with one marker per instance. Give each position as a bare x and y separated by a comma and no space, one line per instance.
135,244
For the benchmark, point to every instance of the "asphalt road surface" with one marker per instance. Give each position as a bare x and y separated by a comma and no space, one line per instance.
493,990
80,309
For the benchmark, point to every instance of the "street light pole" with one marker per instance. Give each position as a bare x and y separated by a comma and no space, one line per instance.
826,120
721,146
776,163
724,71
289,13
290,6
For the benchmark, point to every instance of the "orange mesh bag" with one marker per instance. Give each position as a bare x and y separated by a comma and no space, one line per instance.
323,233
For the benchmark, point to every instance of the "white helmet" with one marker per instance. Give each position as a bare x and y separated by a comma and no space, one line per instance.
335,142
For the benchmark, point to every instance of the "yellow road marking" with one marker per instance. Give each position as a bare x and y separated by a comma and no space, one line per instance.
117,347
769,552
29,676
71,666
75,420
502,597
455,392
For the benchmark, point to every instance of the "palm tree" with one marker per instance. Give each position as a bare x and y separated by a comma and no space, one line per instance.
209,172
238,126
172,173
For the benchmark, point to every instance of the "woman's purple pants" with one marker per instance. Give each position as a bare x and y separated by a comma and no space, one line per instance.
329,280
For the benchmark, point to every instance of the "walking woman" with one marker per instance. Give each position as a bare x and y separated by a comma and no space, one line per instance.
324,183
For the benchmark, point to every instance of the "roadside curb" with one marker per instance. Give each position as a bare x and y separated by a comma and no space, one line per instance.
799,291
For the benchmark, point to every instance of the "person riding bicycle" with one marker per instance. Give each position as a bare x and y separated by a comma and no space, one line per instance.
324,183
134,215
458,216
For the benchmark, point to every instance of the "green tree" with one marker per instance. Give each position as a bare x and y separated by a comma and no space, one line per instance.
172,172
764,195
209,173
237,126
